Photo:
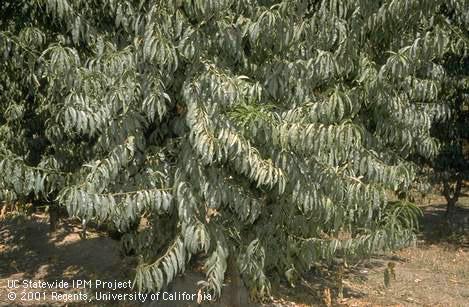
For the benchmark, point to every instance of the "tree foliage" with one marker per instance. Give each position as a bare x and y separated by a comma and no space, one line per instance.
271,131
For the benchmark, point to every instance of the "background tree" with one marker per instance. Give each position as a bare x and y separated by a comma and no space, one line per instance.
266,132
452,163
451,166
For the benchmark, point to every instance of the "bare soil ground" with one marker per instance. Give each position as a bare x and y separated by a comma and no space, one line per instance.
29,252
435,272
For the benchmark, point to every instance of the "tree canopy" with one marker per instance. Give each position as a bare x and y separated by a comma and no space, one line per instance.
273,132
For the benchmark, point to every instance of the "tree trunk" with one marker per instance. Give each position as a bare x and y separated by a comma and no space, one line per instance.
83,228
452,196
233,273
53,218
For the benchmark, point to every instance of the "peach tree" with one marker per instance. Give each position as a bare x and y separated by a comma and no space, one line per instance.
271,132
